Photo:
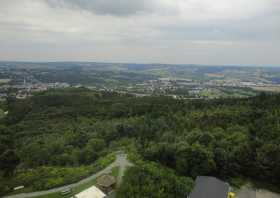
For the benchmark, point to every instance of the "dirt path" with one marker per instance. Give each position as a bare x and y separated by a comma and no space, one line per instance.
121,162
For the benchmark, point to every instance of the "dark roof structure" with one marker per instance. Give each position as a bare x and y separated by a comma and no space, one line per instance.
209,187
106,181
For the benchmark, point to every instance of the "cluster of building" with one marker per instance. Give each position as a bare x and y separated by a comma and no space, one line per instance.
239,83
24,90
164,85
205,187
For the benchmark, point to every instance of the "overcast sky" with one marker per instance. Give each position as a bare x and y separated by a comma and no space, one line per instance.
241,32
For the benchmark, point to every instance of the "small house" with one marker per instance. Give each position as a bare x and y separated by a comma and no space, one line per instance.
106,183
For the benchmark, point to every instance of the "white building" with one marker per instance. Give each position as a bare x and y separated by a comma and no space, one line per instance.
92,192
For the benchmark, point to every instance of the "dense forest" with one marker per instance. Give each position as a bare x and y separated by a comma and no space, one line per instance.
171,141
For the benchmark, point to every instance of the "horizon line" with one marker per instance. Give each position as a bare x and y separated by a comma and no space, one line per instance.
137,63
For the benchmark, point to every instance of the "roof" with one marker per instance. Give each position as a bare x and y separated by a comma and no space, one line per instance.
91,192
209,187
106,181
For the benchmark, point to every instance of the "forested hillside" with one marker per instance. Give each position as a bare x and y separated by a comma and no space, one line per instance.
55,137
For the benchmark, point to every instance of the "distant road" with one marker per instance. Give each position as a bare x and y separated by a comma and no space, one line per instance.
121,162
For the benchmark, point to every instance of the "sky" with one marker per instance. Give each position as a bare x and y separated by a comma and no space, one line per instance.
232,32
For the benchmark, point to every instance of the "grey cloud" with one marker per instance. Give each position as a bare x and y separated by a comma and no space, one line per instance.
260,28
107,7
181,31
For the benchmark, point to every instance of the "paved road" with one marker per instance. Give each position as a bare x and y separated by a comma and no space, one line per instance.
123,165
266,194
249,192
121,161
246,192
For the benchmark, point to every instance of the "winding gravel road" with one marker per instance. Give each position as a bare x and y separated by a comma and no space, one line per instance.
121,162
